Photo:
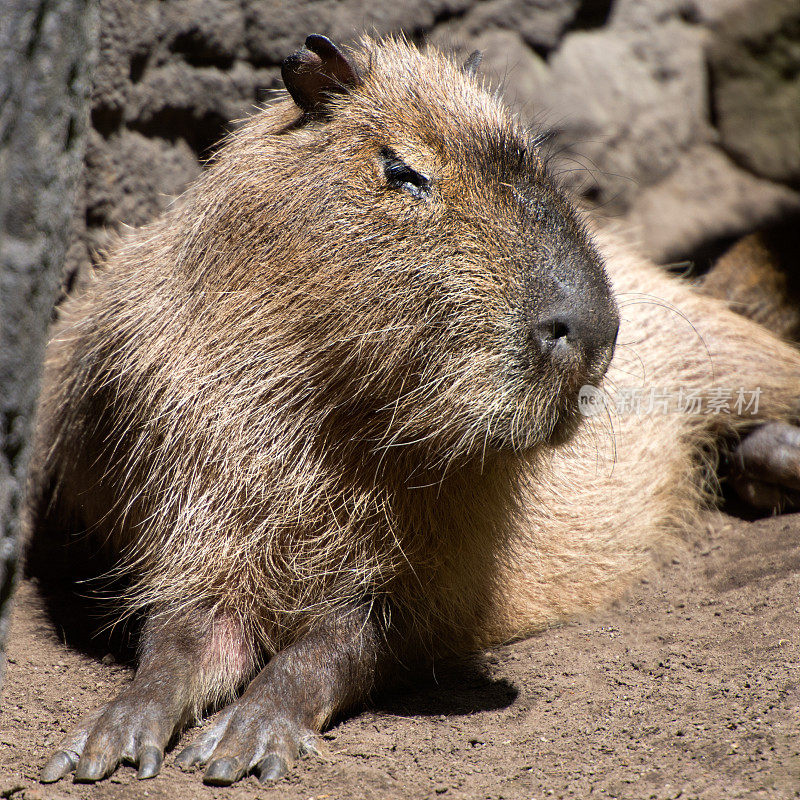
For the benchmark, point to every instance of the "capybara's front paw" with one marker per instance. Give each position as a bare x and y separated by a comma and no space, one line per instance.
126,730
765,467
249,738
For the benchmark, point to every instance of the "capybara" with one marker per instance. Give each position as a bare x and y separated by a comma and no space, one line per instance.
333,414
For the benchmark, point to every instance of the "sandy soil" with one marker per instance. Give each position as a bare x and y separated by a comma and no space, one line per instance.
689,688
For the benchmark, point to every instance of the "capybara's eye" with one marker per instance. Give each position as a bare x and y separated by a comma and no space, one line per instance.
400,176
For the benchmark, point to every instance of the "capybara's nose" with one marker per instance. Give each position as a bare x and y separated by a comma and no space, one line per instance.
574,328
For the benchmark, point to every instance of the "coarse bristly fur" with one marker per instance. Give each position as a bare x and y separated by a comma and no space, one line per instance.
301,388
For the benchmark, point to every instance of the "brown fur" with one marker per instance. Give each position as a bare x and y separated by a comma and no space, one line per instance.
271,405
759,276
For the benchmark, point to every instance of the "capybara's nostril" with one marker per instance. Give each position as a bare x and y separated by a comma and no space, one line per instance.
574,329
551,330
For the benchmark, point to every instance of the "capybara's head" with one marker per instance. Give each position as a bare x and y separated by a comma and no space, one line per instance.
409,270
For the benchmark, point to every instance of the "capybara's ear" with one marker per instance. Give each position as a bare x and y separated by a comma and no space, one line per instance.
312,74
472,63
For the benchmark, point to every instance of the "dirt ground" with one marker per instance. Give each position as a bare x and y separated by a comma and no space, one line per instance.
689,688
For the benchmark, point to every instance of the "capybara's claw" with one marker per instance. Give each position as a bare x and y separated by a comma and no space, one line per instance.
271,768
199,752
93,768
60,764
765,467
189,757
150,760
223,771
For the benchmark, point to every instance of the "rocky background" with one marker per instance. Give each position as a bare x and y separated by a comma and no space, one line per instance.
46,56
679,116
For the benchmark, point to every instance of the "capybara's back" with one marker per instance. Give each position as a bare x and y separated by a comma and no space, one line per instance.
325,414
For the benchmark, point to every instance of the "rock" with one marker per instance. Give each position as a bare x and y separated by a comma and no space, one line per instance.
540,23
46,54
131,178
205,32
755,69
275,29
195,104
625,105
707,197
510,65
128,31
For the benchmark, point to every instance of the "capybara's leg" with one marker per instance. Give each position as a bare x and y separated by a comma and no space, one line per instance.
185,663
288,703
765,467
